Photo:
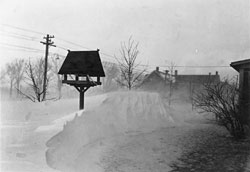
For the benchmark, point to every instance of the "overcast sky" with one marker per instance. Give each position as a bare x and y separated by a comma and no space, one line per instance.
186,32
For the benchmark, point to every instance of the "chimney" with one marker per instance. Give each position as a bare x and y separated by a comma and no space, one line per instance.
157,69
216,73
176,72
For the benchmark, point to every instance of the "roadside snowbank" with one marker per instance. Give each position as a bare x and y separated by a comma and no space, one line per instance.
120,112
57,125
26,127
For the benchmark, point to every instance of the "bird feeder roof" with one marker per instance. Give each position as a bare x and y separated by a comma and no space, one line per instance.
82,63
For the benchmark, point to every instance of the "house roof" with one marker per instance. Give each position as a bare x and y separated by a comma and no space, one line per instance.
160,74
240,64
82,63
185,78
197,78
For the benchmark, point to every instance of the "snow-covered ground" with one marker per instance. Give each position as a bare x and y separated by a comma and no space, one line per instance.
26,127
120,131
121,116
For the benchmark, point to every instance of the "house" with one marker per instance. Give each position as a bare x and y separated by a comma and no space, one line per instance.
243,67
156,81
160,81
195,81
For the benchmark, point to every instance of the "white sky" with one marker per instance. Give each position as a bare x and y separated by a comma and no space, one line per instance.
187,32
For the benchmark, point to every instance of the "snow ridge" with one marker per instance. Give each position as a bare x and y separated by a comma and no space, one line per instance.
120,112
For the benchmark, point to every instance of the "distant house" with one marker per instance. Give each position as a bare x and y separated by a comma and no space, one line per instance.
156,80
159,81
195,80
243,67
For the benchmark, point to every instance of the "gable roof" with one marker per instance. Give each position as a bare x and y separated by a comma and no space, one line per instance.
161,75
240,64
82,63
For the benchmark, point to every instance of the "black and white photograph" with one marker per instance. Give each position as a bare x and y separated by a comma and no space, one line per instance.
125,86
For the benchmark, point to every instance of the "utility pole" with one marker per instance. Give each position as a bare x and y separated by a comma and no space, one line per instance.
47,44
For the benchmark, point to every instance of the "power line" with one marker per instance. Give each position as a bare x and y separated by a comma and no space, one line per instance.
18,46
73,43
177,66
62,48
20,35
82,47
199,66
185,66
23,50
31,39
29,30
26,30
113,57
108,55
32,51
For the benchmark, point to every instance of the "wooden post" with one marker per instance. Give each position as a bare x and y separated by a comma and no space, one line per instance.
81,103
65,77
47,43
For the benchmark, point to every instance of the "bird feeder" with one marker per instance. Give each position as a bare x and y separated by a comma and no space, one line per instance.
82,69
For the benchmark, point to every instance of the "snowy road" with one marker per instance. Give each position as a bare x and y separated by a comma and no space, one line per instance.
200,147
146,152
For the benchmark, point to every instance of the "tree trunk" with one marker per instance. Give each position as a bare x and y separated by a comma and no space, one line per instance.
17,88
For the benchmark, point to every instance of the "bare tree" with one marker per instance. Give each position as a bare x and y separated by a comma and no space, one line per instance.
10,71
35,78
130,75
221,99
20,68
15,72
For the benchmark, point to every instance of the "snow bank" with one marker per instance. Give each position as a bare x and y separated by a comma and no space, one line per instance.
58,124
120,112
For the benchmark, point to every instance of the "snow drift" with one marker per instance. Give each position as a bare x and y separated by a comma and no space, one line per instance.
120,112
